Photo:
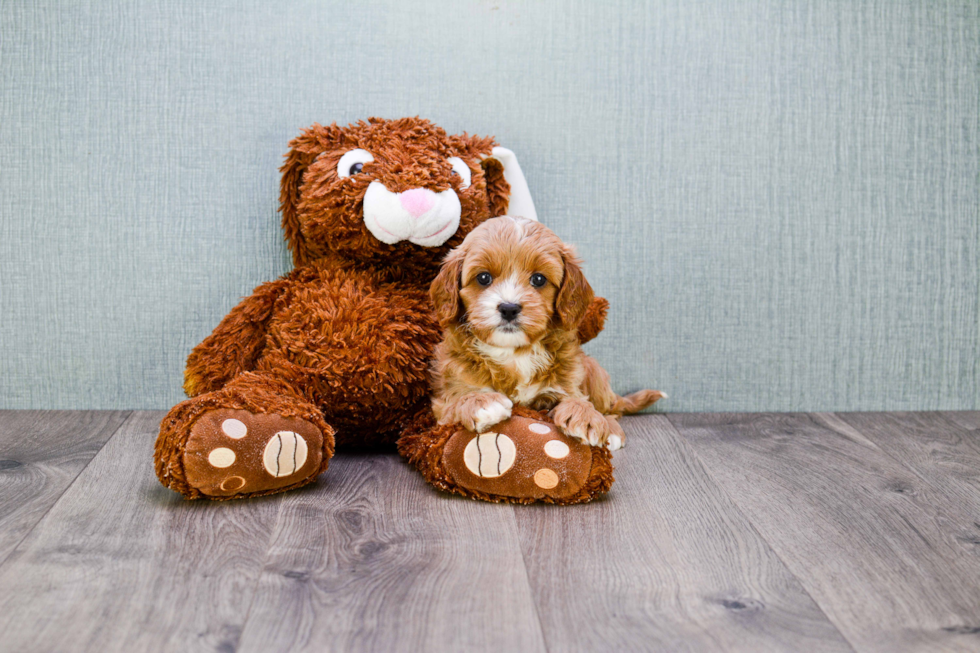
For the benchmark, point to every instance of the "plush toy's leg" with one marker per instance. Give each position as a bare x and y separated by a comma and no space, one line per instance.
521,460
256,435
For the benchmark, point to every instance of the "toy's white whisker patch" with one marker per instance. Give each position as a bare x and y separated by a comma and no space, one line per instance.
418,215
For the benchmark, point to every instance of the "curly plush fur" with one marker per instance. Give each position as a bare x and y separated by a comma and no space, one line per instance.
342,342
424,442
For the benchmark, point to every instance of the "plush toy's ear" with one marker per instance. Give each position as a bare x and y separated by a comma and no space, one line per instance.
444,290
575,294
497,187
303,151
509,195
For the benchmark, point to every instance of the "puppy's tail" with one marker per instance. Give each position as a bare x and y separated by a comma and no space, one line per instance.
637,401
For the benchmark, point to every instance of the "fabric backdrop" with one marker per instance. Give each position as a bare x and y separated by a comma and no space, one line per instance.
779,198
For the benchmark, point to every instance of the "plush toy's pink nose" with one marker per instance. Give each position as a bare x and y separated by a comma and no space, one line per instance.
418,200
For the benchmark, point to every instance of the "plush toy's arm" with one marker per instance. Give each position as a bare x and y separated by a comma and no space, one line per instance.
594,319
235,344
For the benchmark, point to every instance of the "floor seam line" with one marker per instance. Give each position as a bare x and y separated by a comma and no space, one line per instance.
930,484
129,415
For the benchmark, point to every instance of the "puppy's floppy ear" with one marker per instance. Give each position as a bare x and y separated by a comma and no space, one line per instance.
444,290
575,294
303,151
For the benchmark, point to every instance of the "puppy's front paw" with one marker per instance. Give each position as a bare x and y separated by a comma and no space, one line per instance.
579,419
617,437
491,414
490,408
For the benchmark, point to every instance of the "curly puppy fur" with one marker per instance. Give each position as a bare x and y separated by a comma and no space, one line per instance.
511,298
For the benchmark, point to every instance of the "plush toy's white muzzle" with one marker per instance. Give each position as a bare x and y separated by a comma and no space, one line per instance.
427,218
419,215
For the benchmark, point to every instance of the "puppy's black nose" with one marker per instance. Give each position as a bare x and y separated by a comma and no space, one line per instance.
509,311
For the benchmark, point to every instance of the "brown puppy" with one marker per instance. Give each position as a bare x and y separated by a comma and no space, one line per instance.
510,299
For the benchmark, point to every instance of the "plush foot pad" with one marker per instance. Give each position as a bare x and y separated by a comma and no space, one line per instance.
522,458
235,452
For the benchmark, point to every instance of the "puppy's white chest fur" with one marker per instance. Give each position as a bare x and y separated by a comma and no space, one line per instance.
526,365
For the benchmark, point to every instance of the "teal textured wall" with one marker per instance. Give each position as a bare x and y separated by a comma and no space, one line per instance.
780,199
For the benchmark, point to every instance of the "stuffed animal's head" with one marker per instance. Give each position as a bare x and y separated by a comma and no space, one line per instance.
393,192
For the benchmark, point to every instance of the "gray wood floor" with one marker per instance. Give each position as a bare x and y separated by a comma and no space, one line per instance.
734,532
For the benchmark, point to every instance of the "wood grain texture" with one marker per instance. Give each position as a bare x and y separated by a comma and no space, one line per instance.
728,532
41,453
666,562
944,455
122,564
373,559
874,544
967,419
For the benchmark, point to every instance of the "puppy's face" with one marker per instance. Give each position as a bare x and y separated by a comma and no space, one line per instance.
511,281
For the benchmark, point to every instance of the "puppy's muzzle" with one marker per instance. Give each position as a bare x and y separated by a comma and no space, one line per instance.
509,311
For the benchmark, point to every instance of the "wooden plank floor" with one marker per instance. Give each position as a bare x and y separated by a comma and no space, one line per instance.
723,532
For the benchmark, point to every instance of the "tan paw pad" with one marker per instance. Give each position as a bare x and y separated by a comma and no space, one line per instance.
221,457
545,478
284,454
233,483
236,452
489,455
556,449
234,428
522,457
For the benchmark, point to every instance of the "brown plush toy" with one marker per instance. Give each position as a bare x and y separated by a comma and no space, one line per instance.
337,351
523,460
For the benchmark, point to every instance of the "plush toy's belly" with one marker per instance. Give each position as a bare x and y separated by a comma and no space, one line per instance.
360,350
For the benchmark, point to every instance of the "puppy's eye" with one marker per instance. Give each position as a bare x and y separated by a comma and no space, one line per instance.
484,279
538,280
461,170
353,162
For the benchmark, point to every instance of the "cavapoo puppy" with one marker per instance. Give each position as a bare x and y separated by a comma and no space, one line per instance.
510,299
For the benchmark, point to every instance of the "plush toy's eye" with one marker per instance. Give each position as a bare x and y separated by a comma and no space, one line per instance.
353,162
460,168
484,279
538,280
